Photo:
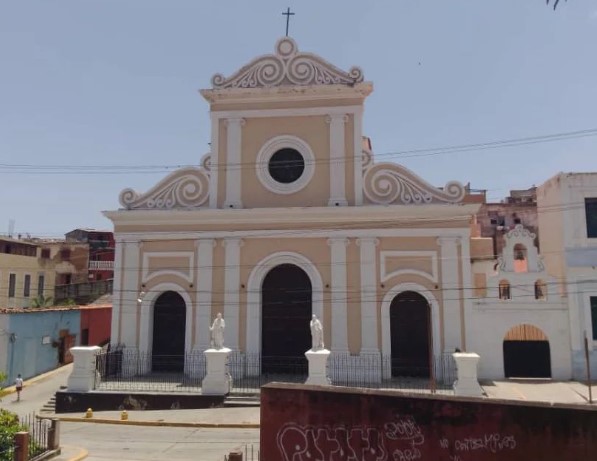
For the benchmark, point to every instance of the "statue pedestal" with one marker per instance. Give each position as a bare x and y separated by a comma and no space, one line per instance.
83,376
467,383
318,367
217,381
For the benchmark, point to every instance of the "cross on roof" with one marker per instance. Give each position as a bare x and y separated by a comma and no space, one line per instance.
287,13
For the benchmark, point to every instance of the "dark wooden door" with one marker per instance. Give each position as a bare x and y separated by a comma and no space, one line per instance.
169,324
286,299
410,335
527,359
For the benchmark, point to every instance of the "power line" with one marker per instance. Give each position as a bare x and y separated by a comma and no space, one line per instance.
423,152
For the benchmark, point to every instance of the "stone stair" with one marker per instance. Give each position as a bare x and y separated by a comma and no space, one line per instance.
49,406
242,400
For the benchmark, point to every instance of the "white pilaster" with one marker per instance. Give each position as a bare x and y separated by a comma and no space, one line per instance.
232,290
451,293
358,157
369,343
339,341
233,162
204,277
84,374
215,161
337,160
117,290
130,292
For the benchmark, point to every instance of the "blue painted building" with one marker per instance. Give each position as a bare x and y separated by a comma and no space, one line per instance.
35,341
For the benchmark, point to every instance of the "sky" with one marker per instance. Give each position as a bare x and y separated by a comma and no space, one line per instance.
114,83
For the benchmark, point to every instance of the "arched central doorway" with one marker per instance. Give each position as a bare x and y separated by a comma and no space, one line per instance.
286,307
410,333
526,353
169,324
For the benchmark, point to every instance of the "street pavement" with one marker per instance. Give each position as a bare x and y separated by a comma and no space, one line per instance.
206,434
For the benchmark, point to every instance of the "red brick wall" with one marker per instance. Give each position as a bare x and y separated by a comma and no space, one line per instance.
306,423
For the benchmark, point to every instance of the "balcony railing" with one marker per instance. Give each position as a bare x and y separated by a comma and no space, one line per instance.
101,265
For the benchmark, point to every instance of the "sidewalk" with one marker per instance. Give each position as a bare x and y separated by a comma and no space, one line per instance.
70,453
216,418
36,379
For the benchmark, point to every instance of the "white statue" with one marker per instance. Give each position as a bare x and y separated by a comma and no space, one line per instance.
217,332
316,334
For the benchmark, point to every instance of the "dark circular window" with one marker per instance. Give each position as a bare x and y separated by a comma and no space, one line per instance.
286,165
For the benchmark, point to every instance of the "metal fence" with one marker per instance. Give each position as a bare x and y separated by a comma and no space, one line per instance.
247,453
38,434
130,370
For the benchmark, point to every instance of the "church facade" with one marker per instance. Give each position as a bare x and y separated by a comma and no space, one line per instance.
291,215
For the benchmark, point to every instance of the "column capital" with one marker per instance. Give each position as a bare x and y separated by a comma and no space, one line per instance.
235,121
232,241
205,241
336,118
336,241
368,241
446,241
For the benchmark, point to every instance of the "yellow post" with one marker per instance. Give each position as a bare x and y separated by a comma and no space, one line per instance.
89,413
124,415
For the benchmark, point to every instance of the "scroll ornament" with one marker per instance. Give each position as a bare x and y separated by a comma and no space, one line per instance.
389,183
184,188
288,66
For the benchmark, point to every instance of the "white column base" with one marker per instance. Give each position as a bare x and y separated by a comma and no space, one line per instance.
217,381
318,367
83,376
467,383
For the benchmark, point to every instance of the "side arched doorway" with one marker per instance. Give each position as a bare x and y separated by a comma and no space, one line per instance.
526,353
286,307
410,333
169,325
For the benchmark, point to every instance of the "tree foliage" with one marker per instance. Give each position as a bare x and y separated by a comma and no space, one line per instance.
9,426
42,301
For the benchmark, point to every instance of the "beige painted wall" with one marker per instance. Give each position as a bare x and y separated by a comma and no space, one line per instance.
318,251
21,266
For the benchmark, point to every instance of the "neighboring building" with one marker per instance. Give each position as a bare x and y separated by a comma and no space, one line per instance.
519,321
497,219
101,251
95,324
290,216
25,273
567,216
37,340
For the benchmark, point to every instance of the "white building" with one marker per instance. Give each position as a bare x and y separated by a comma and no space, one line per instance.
519,321
567,210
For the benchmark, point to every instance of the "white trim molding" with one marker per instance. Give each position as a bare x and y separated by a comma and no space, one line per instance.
337,159
147,309
231,312
203,282
368,258
269,149
452,292
386,340
254,286
427,255
234,162
339,290
188,276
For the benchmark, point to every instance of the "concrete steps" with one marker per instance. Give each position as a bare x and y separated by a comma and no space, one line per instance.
49,406
242,400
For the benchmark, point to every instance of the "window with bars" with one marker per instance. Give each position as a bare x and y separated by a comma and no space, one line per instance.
27,286
591,216
594,316
12,285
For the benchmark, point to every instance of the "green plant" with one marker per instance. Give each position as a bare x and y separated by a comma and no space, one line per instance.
9,426
67,302
42,301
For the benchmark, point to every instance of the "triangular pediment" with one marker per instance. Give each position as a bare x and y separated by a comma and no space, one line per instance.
288,67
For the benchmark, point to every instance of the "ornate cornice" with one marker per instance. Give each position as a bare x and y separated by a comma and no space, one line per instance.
287,66
184,188
390,183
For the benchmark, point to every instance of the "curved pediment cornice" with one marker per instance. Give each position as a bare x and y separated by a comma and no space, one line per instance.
287,67
184,188
389,183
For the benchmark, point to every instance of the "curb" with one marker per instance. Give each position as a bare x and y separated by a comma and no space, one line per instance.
69,419
83,453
